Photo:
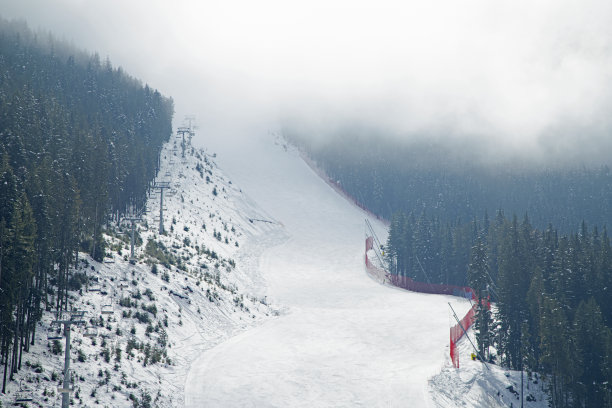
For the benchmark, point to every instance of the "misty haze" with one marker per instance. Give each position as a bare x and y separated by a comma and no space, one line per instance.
281,203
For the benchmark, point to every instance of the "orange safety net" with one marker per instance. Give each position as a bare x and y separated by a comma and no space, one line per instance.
407,283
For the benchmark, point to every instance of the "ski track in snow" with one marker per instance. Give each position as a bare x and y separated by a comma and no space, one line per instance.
345,340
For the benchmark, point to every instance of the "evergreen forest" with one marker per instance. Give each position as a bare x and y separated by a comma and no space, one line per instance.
551,293
548,274
79,146
451,181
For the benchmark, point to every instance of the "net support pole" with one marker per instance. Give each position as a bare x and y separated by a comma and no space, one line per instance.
468,337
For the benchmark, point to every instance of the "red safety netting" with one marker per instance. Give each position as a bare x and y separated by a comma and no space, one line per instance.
338,187
369,243
456,333
405,282
376,272
454,355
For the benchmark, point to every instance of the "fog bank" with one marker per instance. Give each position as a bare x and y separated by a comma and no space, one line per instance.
520,77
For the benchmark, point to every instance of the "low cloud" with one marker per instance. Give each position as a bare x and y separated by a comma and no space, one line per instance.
531,78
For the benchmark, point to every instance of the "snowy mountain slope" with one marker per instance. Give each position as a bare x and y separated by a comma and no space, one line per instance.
160,318
345,340
474,385
341,339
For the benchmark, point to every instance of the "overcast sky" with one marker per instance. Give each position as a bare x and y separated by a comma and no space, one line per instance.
525,74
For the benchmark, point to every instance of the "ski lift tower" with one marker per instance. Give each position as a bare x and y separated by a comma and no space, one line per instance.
76,317
191,135
161,186
182,131
133,220
190,119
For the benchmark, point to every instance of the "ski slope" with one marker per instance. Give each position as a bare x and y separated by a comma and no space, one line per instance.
343,340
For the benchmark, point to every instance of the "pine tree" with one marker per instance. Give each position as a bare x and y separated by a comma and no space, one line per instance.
603,276
478,280
507,310
395,247
589,339
556,354
422,250
608,371
478,268
8,198
484,327
535,299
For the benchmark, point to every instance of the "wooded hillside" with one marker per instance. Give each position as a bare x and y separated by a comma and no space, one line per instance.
79,143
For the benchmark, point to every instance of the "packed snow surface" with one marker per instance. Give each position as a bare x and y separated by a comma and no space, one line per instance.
343,338
259,299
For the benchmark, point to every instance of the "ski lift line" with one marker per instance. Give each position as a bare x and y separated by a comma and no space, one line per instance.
376,240
422,269
490,278
468,337
378,255
493,291
425,273
377,252
369,225
370,233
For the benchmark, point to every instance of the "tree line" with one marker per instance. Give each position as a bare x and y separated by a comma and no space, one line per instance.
451,181
552,292
79,145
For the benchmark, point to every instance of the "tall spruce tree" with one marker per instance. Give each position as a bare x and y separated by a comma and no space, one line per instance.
478,268
556,356
589,338
479,281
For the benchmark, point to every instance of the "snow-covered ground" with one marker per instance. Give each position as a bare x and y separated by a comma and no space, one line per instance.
474,385
344,339
157,322
263,302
